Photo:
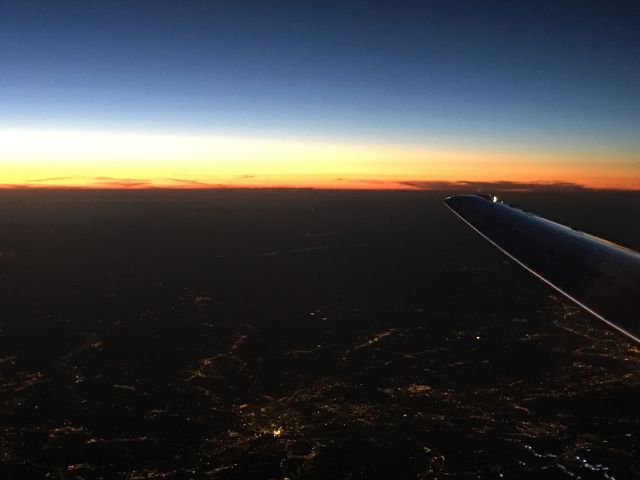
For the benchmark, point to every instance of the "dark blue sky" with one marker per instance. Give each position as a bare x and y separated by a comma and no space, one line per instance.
536,74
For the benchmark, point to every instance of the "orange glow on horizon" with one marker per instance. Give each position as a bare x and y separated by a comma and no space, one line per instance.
81,159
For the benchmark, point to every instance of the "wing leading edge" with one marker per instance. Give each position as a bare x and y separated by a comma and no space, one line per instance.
599,276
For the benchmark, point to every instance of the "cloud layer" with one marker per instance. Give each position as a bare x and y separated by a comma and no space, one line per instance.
251,181
496,186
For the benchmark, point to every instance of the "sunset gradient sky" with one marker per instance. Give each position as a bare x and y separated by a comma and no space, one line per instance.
318,94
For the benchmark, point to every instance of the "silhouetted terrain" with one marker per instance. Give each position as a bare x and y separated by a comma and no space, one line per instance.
241,334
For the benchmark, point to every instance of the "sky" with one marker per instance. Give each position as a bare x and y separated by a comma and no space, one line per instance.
135,94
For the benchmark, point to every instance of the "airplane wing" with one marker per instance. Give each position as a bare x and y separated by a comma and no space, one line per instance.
599,276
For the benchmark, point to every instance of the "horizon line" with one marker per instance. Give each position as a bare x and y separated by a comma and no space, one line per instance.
364,185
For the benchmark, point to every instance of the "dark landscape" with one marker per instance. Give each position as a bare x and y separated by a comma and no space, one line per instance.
281,334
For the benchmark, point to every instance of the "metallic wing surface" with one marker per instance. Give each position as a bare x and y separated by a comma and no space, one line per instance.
601,277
